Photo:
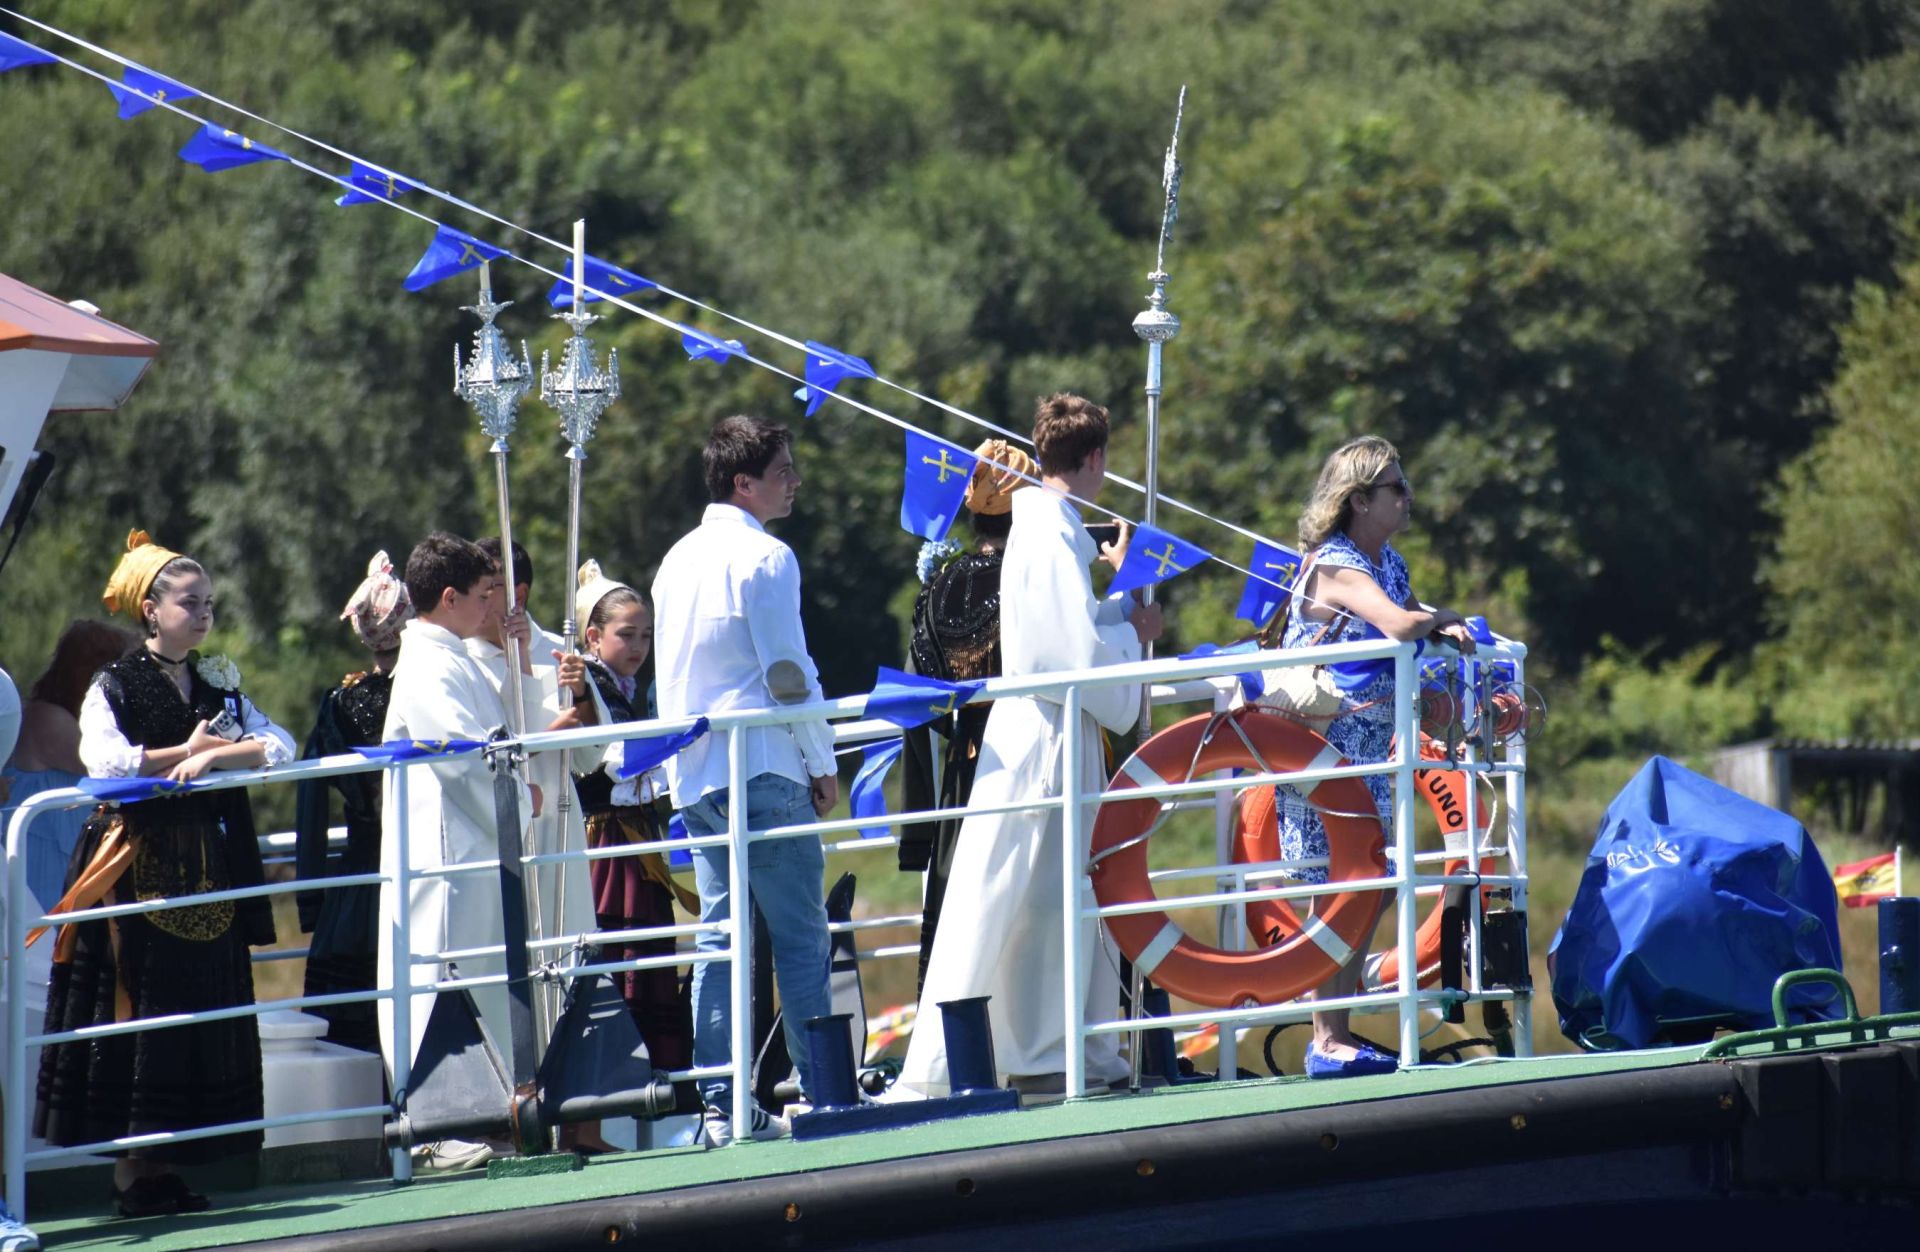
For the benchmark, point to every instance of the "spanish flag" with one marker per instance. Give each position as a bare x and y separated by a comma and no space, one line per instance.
1862,882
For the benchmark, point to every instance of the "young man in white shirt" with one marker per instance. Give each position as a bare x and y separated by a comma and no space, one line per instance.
727,636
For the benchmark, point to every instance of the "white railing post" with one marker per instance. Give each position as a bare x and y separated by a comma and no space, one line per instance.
740,981
402,965
1073,872
1517,860
1406,691
19,1101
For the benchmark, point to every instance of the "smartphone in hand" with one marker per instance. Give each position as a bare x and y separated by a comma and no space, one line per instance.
1104,533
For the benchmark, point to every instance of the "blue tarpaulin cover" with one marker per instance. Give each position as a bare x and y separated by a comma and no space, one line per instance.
1694,900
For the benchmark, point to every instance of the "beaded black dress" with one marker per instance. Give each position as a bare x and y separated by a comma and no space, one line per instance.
343,920
175,961
632,892
956,637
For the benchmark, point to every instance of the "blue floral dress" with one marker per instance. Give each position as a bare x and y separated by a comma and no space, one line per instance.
1364,735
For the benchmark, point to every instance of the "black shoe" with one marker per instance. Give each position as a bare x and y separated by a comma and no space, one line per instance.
159,1196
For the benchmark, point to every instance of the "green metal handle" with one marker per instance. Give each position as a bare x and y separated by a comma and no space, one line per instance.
1788,981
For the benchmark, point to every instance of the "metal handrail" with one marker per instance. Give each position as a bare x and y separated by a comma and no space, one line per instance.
1170,681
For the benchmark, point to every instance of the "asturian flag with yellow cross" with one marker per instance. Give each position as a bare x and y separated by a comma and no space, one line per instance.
1153,557
936,484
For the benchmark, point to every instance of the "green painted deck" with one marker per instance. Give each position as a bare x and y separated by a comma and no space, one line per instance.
283,1212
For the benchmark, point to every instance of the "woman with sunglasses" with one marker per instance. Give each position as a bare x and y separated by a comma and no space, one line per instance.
1355,586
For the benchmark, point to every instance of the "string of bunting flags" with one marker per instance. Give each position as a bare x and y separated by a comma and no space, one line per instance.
926,509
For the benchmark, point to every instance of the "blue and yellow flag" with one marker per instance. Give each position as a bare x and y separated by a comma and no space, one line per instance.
1273,569
418,749
129,790
372,184
214,149
145,89
909,700
700,346
936,481
602,274
451,252
868,795
1153,557
827,368
17,54
637,756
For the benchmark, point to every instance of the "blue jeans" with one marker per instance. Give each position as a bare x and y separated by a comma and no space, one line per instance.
785,880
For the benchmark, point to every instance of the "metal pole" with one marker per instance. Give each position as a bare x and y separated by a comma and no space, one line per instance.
516,709
402,970
1407,728
18,1103
1517,856
1073,865
741,911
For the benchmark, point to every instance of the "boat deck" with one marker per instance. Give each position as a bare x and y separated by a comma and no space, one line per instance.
377,1213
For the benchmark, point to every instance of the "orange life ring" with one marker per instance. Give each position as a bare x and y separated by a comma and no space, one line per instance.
1156,945
1257,839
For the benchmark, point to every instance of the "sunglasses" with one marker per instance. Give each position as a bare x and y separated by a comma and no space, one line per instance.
1398,486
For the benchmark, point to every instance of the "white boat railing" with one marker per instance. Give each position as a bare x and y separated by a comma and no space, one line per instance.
1174,681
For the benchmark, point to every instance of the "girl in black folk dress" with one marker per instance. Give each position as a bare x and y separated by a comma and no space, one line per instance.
161,711
343,921
634,891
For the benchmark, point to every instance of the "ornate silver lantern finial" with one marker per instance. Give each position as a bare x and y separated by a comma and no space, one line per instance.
492,382
579,391
1155,324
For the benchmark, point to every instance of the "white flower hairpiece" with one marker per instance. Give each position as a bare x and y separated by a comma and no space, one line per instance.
219,671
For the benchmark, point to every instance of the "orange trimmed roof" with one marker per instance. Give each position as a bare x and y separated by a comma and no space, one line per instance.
105,361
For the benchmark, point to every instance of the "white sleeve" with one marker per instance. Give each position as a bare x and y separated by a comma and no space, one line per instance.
258,727
773,619
103,749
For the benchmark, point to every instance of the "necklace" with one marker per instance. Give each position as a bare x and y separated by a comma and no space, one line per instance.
164,659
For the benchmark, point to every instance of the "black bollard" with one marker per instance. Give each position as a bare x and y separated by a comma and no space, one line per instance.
1900,954
830,1078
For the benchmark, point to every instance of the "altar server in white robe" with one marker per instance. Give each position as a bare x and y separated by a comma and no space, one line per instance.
441,692
559,897
1000,926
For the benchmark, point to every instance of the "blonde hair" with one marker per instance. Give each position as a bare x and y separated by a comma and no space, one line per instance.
1352,469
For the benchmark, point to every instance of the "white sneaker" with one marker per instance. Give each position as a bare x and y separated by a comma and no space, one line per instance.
14,1235
450,1155
718,1125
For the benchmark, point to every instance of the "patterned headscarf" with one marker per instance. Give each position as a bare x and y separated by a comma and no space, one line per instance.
380,606
142,563
990,493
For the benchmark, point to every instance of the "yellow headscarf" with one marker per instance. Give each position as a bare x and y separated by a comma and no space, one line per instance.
991,491
135,573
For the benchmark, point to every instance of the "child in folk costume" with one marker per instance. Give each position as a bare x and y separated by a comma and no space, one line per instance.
344,920
631,892
165,711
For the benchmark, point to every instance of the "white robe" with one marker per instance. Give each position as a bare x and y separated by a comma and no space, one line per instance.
559,897
441,692
1000,926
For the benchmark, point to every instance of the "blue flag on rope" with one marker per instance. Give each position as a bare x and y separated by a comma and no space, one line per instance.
637,756
128,790
17,54
937,475
215,149
868,795
827,368
145,89
1270,564
451,252
1252,684
677,858
909,700
701,346
601,274
372,184
1155,556
417,749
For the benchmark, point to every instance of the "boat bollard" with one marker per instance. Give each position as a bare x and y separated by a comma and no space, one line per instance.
969,1031
830,1078
1900,954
